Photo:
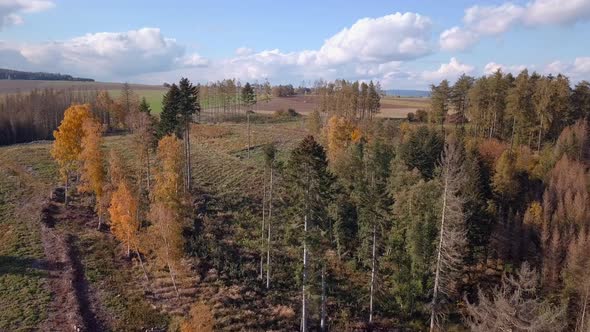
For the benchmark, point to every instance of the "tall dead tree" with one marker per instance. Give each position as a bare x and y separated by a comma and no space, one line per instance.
452,234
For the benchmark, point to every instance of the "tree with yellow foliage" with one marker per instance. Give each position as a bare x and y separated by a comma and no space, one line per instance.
339,134
92,160
68,142
123,212
167,205
200,319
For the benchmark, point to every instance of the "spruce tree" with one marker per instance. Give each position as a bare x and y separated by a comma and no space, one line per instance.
309,183
169,118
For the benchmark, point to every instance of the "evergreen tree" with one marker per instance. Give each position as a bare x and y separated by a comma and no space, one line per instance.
422,150
169,117
188,106
310,190
459,98
439,100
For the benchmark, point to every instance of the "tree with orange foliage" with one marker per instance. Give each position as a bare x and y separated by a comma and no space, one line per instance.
167,206
200,319
92,160
68,142
123,212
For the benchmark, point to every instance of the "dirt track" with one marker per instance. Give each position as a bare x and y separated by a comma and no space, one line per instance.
73,305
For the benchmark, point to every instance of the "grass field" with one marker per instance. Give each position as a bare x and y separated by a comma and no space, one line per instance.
152,96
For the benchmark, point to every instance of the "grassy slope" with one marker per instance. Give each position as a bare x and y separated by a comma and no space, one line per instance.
24,176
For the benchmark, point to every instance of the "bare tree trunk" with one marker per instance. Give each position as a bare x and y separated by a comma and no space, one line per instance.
262,226
304,281
148,168
142,266
583,318
269,229
323,313
66,189
438,261
540,135
373,274
248,120
99,220
188,154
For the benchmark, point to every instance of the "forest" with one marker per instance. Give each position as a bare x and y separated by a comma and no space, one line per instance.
9,74
473,214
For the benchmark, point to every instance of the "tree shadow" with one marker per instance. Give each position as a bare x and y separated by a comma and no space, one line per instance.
23,266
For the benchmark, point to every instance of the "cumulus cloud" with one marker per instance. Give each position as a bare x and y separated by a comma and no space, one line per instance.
481,21
370,48
578,69
492,67
449,71
11,11
388,38
109,54
456,38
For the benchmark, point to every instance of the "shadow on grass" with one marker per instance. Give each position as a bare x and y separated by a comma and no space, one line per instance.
24,266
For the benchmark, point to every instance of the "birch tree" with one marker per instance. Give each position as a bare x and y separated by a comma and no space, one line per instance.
67,146
452,235
166,208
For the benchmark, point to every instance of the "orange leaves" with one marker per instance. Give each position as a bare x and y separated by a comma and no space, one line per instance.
92,158
68,137
340,131
123,212
168,176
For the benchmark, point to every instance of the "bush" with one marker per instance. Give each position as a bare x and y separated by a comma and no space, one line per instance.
290,113
411,117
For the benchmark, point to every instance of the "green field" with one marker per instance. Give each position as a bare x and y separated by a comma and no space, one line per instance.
153,97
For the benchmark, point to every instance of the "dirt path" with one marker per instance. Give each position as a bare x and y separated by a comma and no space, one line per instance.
71,307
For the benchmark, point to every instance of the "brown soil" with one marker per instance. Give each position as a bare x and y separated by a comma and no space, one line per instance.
74,306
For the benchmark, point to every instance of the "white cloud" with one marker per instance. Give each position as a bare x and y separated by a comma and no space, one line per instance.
11,10
243,51
110,54
449,71
578,69
492,67
542,12
388,38
491,20
456,38
481,21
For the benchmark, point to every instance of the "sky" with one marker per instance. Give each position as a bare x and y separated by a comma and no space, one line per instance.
402,44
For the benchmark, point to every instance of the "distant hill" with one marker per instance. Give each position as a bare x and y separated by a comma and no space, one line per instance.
408,93
9,74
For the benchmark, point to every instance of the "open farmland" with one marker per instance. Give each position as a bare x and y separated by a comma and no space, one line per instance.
391,107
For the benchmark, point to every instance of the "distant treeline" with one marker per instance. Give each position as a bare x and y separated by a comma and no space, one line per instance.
9,74
33,116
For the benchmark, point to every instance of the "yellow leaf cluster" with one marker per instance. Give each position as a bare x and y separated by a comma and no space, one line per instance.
339,132
68,138
92,158
123,212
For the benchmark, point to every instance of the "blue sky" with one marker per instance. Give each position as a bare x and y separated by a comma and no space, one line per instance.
403,44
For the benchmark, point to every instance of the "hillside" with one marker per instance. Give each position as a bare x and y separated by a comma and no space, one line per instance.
9,74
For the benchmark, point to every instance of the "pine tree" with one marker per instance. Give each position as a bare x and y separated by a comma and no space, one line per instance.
458,96
439,100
